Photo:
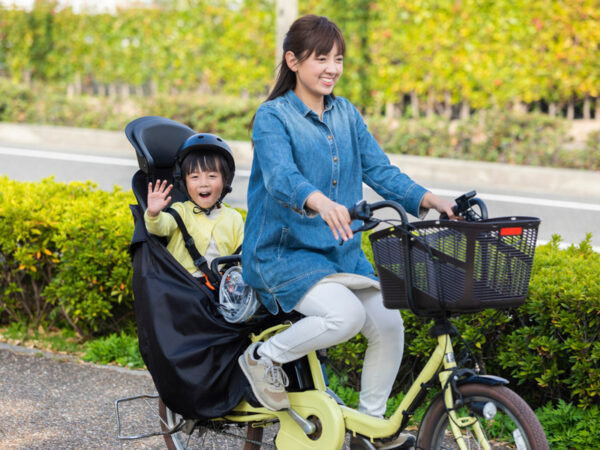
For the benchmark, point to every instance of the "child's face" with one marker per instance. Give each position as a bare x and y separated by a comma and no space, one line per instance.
204,187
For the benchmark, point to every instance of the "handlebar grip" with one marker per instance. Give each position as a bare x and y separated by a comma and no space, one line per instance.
444,216
360,210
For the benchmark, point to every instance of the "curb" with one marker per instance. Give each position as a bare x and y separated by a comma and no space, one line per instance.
65,357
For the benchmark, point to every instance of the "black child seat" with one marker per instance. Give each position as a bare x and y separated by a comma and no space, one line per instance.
189,349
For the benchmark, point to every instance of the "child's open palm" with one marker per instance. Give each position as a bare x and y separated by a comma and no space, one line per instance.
158,197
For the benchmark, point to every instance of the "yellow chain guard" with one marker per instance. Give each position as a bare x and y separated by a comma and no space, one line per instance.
319,407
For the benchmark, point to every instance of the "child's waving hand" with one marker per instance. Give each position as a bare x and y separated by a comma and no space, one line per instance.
158,197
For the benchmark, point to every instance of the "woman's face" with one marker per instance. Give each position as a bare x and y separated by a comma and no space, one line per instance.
317,75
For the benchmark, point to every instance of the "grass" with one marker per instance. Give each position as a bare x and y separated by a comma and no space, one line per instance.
118,349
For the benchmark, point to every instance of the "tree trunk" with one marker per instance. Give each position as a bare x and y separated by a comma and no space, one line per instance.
587,113
389,110
465,110
286,13
414,102
430,104
552,109
597,111
571,109
447,105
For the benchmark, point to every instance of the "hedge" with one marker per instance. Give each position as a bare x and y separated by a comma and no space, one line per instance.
64,255
64,259
442,53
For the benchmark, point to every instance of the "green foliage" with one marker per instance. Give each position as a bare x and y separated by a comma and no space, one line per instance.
63,255
555,348
122,349
445,52
568,427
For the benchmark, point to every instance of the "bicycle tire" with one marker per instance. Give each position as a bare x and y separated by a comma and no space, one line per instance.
513,413
182,441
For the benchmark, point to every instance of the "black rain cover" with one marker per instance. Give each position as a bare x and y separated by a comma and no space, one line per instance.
190,351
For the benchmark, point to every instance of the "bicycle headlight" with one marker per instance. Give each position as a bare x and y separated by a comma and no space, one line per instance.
237,300
487,410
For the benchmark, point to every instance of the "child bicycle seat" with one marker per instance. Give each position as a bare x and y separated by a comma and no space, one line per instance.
156,141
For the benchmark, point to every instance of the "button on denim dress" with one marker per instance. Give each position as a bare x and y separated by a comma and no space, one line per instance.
286,249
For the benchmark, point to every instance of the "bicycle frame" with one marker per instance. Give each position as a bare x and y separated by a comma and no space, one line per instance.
339,418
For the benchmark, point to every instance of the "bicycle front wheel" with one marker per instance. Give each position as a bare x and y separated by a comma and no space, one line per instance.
513,426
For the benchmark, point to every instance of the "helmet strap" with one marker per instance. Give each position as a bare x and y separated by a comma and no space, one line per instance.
205,211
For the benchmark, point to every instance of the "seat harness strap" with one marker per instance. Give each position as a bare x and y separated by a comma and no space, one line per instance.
199,260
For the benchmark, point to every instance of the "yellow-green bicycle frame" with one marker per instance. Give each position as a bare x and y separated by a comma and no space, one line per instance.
335,420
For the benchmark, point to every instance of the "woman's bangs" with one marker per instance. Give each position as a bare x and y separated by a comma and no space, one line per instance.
324,39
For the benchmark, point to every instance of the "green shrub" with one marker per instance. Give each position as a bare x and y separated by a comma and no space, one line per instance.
419,137
502,136
64,255
555,347
122,349
568,427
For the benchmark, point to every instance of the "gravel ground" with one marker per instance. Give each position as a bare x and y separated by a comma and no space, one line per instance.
50,401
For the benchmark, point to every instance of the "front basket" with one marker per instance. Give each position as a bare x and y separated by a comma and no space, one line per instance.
454,266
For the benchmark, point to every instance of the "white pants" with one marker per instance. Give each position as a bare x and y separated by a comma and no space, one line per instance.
334,314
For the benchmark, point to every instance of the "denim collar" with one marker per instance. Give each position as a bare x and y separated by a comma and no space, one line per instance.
301,107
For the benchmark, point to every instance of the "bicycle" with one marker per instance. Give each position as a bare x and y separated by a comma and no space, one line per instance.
437,269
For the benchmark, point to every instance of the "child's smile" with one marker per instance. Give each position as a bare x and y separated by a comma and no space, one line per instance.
204,188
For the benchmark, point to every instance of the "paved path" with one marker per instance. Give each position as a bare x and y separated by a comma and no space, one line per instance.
52,402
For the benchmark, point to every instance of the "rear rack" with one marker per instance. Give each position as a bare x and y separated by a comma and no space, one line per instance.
187,426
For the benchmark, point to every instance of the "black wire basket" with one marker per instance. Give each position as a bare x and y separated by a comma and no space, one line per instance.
442,266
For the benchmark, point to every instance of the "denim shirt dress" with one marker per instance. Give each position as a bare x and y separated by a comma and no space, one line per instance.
286,249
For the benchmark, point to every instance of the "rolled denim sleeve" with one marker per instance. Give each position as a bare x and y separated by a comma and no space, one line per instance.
386,179
273,151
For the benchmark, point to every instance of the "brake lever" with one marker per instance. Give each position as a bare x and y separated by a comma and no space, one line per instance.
366,226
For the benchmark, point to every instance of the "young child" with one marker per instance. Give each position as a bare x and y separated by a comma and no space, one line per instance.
204,170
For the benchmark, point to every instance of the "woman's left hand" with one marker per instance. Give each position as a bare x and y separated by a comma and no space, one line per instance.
439,204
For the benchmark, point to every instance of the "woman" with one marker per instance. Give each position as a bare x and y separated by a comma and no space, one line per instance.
312,152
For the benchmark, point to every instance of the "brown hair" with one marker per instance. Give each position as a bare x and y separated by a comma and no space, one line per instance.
307,35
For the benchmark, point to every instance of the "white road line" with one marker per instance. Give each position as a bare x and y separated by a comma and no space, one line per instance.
11,151
524,200
67,156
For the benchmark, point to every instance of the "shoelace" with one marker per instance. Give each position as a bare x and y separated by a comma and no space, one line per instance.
276,376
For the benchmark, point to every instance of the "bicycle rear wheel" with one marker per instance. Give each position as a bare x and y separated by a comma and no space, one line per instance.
514,426
208,437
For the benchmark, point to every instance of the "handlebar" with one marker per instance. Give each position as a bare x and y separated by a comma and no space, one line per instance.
229,259
464,208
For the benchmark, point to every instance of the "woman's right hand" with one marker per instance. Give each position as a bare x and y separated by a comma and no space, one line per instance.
334,214
158,197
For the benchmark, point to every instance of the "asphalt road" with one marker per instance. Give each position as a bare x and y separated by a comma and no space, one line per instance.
570,212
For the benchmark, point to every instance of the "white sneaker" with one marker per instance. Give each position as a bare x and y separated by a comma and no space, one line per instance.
267,379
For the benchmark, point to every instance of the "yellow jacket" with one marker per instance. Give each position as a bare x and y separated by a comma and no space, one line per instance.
227,230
